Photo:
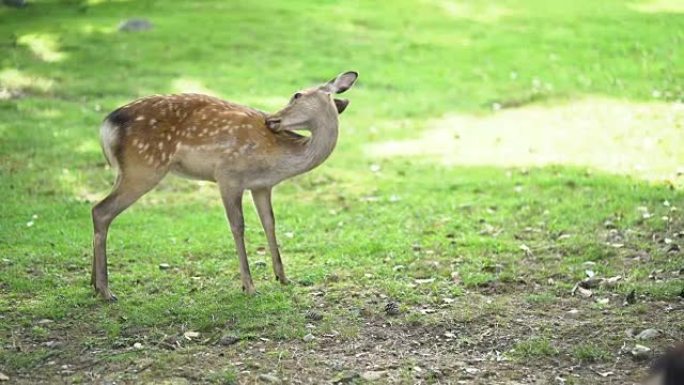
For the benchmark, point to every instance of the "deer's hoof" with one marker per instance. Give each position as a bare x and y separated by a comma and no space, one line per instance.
106,295
249,290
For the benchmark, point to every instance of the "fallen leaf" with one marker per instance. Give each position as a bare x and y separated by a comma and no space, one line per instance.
423,281
190,335
526,249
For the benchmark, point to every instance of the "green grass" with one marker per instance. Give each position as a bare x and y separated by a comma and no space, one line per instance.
590,353
534,348
504,233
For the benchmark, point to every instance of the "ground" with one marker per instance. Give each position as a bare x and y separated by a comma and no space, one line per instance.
493,156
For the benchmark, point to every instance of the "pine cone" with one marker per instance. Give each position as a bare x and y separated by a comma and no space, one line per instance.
313,315
392,308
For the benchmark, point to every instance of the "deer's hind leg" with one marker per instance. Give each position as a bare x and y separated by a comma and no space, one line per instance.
129,187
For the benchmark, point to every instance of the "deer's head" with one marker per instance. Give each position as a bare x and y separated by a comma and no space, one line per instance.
313,103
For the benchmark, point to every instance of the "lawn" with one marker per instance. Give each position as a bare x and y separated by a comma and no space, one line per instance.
494,155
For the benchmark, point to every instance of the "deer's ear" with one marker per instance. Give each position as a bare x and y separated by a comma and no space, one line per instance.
341,83
341,105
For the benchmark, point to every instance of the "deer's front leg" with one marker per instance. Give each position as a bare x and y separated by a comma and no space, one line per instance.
262,201
232,201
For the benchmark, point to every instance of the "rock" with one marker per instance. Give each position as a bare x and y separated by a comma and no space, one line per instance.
309,337
228,340
137,346
648,334
164,266
641,352
135,25
573,313
4,377
372,375
269,378
16,4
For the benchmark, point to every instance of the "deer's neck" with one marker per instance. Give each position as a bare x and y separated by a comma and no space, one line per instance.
315,149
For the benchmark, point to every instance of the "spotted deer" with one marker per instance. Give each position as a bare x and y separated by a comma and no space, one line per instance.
669,368
206,138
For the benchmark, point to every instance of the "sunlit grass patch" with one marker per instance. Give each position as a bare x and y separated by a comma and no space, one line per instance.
657,6
43,46
19,81
640,139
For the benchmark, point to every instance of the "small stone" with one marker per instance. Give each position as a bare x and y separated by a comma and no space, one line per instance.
269,378
641,352
137,346
4,377
648,334
573,313
309,337
135,25
164,266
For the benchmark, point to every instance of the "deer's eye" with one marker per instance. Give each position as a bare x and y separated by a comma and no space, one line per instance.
297,95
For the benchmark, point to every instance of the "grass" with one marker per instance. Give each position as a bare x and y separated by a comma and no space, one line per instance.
464,227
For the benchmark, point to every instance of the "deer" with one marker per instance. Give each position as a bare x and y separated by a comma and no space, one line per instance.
669,368
206,138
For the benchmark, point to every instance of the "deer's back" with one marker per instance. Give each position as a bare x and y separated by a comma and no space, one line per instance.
191,134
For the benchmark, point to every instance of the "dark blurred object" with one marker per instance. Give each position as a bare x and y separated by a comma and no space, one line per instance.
14,3
668,369
135,25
